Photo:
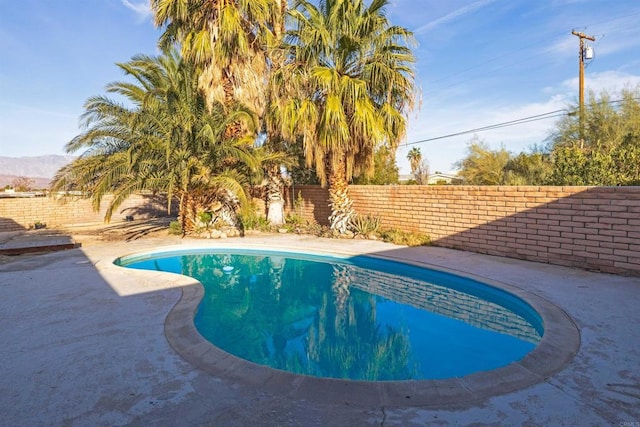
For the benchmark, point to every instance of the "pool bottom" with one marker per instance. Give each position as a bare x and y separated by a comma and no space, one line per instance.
554,352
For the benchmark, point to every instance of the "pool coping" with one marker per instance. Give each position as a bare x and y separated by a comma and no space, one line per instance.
558,346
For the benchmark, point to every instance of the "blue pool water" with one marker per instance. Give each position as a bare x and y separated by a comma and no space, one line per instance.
358,318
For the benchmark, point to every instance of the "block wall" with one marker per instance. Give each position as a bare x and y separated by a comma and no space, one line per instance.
22,213
596,228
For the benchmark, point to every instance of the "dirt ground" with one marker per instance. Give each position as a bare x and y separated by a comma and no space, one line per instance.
120,231
34,242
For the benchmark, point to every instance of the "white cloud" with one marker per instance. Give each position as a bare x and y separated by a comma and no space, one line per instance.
141,8
610,81
613,36
452,15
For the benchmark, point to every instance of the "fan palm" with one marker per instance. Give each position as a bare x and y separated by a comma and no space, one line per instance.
227,39
415,158
349,86
163,139
232,42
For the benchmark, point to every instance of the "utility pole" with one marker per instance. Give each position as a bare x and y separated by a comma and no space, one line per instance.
581,55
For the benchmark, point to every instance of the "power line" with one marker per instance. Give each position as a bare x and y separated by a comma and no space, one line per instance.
495,126
523,120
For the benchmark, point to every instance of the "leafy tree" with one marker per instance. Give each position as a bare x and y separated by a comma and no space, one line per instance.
22,183
385,169
163,139
607,151
483,166
349,87
532,168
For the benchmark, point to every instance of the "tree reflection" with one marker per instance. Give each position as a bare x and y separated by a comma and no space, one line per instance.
298,316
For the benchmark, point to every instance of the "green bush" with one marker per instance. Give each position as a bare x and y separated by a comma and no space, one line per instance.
205,217
250,220
175,228
295,220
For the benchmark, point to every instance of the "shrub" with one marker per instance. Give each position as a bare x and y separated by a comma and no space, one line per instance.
205,217
175,228
366,224
405,238
250,220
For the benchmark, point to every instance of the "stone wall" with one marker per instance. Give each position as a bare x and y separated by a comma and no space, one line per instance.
597,228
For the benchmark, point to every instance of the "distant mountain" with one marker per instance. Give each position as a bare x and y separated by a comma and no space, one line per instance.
39,168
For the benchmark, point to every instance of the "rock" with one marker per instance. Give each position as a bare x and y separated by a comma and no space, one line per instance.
282,230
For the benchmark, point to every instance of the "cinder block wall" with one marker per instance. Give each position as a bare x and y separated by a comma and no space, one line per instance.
21,213
597,228
309,201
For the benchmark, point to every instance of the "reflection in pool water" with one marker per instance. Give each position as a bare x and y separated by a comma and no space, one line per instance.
363,318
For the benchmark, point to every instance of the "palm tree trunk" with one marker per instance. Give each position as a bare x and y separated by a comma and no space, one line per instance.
187,212
275,199
341,204
342,278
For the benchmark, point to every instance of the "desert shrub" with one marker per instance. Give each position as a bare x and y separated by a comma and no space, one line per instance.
366,224
175,228
250,220
406,238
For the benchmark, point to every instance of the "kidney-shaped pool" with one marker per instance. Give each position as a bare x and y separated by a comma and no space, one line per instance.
356,318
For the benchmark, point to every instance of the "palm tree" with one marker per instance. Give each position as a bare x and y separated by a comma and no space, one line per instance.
349,87
167,140
415,158
234,43
228,40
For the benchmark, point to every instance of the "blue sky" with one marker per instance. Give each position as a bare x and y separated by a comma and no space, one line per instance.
479,63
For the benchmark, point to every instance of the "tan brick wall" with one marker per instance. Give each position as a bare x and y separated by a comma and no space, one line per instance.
461,304
596,228
21,213
314,202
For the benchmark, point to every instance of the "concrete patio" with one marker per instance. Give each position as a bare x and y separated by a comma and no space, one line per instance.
84,344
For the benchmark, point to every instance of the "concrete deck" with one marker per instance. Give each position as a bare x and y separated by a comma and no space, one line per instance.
37,241
84,344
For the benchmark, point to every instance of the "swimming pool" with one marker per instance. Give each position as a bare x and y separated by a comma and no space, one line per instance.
356,318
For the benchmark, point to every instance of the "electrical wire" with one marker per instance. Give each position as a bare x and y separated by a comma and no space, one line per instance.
523,120
491,127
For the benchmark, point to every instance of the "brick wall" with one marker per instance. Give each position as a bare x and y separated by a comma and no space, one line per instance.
313,205
21,213
458,304
596,228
